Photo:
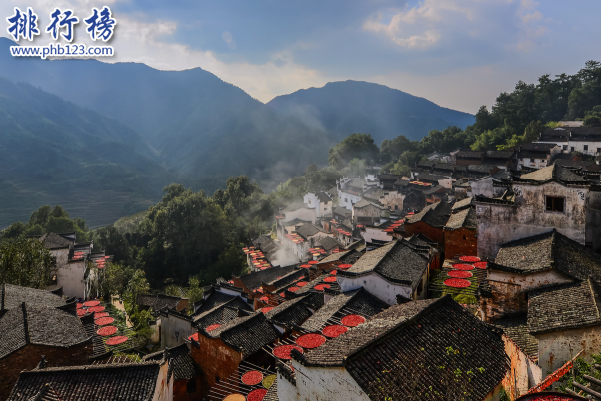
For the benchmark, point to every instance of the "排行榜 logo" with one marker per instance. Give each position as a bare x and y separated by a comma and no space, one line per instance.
61,24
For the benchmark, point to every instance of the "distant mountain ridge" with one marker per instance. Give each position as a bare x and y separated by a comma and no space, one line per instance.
346,107
131,128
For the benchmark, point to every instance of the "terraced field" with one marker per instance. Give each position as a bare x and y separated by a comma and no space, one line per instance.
98,204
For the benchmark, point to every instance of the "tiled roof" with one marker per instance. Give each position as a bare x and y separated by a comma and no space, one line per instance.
40,325
359,301
462,204
500,154
573,163
401,344
158,301
12,296
215,299
341,210
535,146
255,280
517,329
344,256
288,279
222,313
47,393
295,206
131,382
248,334
435,215
480,168
265,243
465,218
323,197
56,241
365,202
329,243
422,240
289,313
469,154
553,172
181,364
434,189
308,229
565,307
550,250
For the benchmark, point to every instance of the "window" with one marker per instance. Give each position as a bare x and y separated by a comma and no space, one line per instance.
345,199
565,147
585,147
554,204
309,201
191,386
572,148
598,150
531,160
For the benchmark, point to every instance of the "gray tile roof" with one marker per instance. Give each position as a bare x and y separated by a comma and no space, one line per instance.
56,241
566,307
462,204
401,343
131,382
295,206
323,197
435,215
255,280
248,334
39,325
307,230
329,243
465,218
469,154
12,296
516,328
222,314
215,299
158,301
289,313
553,172
550,250
400,262
360,300
181,364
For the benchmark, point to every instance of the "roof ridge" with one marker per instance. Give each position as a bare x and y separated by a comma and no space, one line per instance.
25,323
93,367
591,284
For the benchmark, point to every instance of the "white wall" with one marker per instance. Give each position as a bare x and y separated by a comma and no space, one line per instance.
317,383
169,325
347,200
376,233
375,284
529,281
164,387
71,277
554,348
301,213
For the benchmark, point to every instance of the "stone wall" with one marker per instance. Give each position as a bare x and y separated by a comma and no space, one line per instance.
506,298
435,234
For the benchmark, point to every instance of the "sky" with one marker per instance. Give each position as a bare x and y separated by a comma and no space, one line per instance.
459,54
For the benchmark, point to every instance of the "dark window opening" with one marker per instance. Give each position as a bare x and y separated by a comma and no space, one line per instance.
464,237
554,204
598,150
572,148
565,147
531,160
191,386
585,147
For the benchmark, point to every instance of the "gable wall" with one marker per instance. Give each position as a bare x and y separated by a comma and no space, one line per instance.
376,285
315,383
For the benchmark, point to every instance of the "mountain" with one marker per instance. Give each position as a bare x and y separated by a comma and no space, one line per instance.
199,125
342,108
52,150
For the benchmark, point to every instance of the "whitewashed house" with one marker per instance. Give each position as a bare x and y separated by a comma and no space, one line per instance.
320,201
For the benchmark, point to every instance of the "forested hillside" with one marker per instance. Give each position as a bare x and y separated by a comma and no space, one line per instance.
342,108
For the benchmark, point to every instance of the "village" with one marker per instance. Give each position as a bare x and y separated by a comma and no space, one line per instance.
475,277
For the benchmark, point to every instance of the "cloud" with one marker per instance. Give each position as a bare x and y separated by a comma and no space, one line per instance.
229,39
430,22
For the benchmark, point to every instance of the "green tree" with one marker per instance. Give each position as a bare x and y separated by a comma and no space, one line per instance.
357,167
25,262
355,146
390,150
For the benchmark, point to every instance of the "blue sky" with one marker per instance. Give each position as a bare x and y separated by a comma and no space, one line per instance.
457,53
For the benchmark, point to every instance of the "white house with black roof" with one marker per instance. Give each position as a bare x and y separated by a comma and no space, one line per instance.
320,201
399,268
389,357
586,140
